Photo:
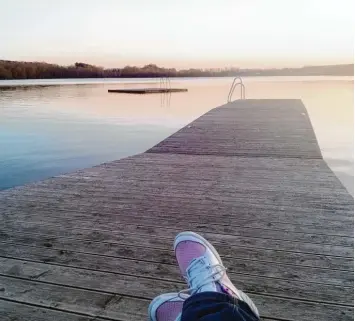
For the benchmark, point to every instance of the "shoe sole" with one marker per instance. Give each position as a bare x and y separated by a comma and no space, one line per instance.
184,236
154,305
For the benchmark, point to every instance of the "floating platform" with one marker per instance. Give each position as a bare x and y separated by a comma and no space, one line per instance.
96,244
147,90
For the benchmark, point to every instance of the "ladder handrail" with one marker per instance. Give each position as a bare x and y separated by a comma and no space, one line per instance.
234,85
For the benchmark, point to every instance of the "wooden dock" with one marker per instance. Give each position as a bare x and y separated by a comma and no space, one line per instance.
97,244
147,90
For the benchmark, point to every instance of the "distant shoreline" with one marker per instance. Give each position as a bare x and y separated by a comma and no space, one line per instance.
15,70
153,82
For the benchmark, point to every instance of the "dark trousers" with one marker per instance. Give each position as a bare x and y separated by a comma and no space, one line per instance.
215,306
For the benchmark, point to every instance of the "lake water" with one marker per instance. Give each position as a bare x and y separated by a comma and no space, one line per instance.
72,124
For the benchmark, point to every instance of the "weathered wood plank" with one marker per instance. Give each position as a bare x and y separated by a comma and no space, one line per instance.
130,224
292,191
281,198
164,207
118,197
70,299
60,297
268,179
278,128
227,243
196,222
35,229
269,279
240,252
88,279
37,226
17,311
135,250
102,281
146,170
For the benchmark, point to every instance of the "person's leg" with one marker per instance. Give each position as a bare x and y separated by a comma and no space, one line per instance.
214,306
213,296
206,306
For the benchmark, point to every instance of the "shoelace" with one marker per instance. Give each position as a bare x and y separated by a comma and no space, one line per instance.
221,270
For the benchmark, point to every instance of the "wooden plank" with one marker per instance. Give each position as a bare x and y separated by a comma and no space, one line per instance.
271,279
275,173
15,311
227,243
89,279
70,299
119,191
165,207
141,169
270,306
287,198
117,199
278,128
127,249
127,225
118,194
196,222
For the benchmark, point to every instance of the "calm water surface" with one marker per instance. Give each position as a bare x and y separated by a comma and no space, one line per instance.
72,124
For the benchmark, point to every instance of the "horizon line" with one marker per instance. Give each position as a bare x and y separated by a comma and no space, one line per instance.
163,67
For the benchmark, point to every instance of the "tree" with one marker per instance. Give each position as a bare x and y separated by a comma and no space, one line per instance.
18,71
5,73
42,70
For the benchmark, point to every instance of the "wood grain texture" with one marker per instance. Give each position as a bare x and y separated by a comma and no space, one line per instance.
143,226
89,303
272,128
18,311
147,289
321,285
198,221
14,311
249,176
227,243
128,249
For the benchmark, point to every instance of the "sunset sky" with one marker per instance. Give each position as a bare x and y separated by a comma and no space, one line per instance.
184,33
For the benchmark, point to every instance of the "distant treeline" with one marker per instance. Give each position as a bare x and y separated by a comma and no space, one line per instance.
42,70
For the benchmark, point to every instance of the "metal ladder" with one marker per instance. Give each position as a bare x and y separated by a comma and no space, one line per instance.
237,81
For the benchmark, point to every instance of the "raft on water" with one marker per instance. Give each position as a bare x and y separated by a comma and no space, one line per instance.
147,90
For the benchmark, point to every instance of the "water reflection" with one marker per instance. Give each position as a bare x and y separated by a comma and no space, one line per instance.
165,99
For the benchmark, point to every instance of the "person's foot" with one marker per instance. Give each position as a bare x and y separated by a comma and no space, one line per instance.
202,267
166,307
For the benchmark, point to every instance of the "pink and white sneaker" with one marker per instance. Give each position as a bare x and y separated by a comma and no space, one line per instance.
167,307
202,268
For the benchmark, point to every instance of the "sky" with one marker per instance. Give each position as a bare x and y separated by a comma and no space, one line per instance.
180,34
